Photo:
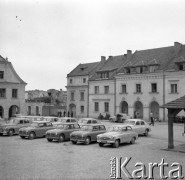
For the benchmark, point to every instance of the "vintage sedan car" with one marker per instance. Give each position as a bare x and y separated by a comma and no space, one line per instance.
14,125
36,129
87,134
139,125
84,121
62,132
118,134
66,120
120,118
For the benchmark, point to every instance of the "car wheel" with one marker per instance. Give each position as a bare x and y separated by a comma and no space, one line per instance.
100,144
146,132
23,137
32,135
49,140
61,138
87,140
116,144
74,142
11,132
133,140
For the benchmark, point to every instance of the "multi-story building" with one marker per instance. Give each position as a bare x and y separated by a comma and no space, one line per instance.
150,79
12,90
102,92
78,87
136,83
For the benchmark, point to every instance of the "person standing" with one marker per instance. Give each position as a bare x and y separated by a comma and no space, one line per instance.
151,118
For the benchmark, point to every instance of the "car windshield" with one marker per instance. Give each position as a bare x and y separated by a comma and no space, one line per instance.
61,126
34,125
116,128
130,122
86,128
14,121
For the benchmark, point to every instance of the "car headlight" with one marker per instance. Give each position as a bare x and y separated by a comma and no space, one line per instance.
56,133
112,137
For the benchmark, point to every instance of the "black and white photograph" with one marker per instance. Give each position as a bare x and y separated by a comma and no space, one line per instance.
92,89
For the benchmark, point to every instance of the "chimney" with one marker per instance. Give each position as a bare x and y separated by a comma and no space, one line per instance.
103,58
177,47
129,54
110,57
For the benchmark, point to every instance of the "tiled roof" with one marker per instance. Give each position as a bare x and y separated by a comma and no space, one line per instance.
83,69
176,104
112,65
164,57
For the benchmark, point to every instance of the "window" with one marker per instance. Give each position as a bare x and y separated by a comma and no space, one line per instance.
102,127
104,75
123,89
37,110
106,107
72,96
154,87
173,88
29,110
127,70
76,126
96,106
84,80
138,88
1,74
106,89
14,93
137,123
82,109
70,81
153,68
82,96
2,93
96,89
142,123
95,128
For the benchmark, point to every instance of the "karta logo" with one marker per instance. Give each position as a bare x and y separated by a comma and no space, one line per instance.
118,169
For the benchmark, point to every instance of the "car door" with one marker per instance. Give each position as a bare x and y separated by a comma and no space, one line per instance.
95,132
124,135
137,127
40,131
130,134
143,127
69,129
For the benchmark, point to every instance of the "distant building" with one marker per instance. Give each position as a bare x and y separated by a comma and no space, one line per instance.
133,83
46,103
12,90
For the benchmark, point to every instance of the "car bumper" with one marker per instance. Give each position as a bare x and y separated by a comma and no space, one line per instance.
106,141
77,140
52,137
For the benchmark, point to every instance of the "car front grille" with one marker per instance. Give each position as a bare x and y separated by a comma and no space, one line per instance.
105,138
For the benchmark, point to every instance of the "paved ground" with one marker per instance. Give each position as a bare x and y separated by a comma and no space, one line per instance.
39,159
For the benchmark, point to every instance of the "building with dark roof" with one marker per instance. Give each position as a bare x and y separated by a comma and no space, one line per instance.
134,83
77,88
12,90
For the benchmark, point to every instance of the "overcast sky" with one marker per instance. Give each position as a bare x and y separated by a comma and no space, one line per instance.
45,39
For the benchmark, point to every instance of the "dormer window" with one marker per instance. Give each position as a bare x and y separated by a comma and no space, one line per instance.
103,75
127,70
153,68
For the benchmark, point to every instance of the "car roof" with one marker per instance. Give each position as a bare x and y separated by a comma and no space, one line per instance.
57,123
93,124
121,125
87,119
41,122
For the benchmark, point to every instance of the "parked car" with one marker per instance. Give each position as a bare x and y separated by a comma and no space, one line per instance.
87,133
36,129
139,125
120,118
66,120
84,121
118,134
14,125
62,132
